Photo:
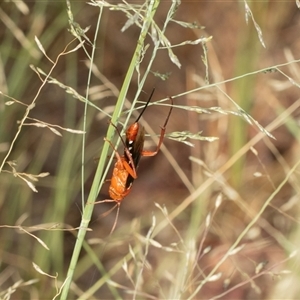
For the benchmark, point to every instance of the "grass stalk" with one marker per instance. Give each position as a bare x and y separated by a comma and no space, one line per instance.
98,180
243,90
235,244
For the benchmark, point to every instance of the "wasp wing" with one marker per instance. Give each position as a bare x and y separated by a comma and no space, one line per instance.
135,148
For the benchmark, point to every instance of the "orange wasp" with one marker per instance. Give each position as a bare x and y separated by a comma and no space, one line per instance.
125,169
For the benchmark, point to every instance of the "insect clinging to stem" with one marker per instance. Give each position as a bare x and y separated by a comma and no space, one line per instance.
125,168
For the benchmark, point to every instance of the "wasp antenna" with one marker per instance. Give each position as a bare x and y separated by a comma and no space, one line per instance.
141,113
119,134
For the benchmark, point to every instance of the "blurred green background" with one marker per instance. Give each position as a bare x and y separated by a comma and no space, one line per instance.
188,188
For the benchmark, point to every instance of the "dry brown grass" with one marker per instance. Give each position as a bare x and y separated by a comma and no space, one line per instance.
215,221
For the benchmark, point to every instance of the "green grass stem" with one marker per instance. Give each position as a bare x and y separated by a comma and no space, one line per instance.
98,180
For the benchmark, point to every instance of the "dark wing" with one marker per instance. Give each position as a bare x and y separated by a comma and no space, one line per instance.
135,148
